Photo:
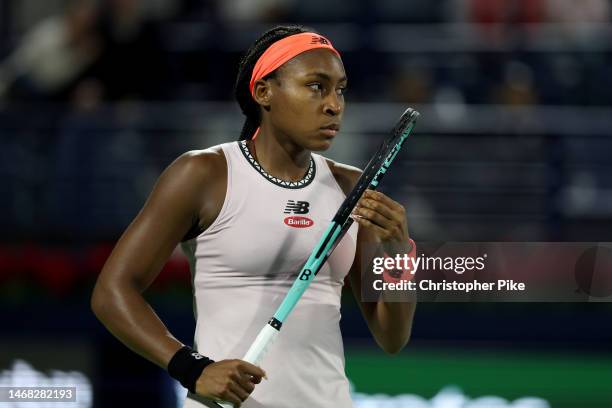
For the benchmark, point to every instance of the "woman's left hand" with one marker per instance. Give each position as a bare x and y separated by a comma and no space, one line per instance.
385,218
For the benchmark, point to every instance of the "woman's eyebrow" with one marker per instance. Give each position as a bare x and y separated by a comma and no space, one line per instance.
325,76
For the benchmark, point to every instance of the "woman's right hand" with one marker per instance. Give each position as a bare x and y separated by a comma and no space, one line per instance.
229,380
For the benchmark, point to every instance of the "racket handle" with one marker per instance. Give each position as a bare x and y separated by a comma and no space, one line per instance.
262,343
258,349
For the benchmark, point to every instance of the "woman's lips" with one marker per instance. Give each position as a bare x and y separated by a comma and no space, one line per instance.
329,132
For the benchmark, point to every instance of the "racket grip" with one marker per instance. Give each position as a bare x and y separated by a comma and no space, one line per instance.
258,350
262,343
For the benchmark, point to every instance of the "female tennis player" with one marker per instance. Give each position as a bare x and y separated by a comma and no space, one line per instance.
248,214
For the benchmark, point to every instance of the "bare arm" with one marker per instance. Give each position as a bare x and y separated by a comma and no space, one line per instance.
383,228
190,191
140,254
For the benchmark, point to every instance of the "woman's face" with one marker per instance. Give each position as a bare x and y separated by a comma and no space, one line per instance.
307,99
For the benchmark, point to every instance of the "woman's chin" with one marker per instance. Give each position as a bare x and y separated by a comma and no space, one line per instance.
320,144
321,147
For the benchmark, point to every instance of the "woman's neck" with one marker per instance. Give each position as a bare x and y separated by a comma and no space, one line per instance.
279,156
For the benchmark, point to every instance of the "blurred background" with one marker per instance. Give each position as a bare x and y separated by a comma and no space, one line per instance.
514,144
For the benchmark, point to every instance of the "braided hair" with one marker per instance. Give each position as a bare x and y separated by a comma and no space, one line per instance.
249,107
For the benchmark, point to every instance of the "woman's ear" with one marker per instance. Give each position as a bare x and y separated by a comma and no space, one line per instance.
262,93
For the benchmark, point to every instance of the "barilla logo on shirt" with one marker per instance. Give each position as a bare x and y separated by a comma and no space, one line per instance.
298,222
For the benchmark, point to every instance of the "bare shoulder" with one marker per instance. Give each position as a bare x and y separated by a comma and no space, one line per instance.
192,177
205,165
202,162
345,175
193,187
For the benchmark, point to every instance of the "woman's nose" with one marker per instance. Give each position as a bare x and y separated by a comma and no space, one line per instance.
333,105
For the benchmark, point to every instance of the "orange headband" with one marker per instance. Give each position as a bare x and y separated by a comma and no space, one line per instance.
285,49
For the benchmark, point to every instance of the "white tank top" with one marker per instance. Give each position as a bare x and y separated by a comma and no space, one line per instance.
243,266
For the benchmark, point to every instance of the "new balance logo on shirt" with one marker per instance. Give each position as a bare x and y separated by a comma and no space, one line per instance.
297,207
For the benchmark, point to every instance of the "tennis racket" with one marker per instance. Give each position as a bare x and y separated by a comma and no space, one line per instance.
370,178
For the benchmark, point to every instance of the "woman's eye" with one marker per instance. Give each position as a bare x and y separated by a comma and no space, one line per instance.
316,87
341,91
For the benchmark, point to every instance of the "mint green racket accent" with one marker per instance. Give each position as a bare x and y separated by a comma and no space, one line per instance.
397,147
313,264
391,157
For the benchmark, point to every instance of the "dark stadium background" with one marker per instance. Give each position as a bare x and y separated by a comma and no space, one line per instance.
514,144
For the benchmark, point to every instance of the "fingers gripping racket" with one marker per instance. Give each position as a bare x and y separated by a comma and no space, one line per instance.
370,178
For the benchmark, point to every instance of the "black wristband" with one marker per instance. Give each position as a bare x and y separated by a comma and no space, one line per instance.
187,365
